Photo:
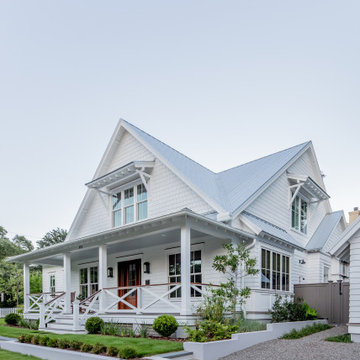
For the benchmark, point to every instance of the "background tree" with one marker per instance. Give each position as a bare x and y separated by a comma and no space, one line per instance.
23,243
52,237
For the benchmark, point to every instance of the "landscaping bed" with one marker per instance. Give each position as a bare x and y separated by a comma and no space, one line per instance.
344,338
306,331
143,346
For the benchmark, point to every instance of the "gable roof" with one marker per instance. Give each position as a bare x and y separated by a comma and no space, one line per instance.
272,230
324,230
230,189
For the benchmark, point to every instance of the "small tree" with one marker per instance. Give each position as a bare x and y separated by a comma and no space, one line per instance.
235,264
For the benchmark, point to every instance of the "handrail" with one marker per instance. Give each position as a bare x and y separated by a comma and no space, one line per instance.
151,285
89,297
46,293
55,298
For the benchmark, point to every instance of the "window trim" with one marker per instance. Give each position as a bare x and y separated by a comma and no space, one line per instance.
302,199
52,288
282,254
121,190
89,284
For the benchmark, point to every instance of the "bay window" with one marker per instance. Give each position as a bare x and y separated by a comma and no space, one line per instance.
129,205
275,270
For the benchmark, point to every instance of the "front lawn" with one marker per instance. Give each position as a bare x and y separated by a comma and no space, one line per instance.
8,355
144,346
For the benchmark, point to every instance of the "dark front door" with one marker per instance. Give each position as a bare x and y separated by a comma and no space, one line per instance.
129,275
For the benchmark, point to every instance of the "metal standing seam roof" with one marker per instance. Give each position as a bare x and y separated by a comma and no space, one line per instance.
230,188
324,230
271,229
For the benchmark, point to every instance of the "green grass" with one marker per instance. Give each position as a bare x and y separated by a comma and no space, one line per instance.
308,330
144,346
8,355
345,338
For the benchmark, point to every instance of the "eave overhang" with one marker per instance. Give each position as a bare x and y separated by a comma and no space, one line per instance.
123,175
132,231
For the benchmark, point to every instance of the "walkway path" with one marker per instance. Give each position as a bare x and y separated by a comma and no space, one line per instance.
312,347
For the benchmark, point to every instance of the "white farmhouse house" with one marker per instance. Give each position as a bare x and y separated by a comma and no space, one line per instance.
152,220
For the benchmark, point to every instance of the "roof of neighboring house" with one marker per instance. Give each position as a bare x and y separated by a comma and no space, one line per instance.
230,188
271,229
324,230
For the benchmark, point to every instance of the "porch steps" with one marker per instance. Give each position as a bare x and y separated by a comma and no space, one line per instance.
63,325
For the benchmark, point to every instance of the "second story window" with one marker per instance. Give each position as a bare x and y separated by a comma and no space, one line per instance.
129,205
299,214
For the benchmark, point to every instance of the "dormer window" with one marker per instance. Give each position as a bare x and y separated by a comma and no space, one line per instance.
128,210
299,214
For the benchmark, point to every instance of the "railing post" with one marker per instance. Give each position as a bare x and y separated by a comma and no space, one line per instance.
76,307
26,288
42,315
185,270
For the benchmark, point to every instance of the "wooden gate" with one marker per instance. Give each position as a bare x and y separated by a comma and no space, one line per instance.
331,300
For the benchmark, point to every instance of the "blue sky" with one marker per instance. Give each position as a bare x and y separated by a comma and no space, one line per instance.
222,81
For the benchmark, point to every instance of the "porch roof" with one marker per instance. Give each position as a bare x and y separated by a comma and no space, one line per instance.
124,233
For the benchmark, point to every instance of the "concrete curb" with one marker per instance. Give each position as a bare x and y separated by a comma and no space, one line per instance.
47,353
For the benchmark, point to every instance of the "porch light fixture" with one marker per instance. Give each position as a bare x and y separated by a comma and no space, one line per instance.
302,262
110,272
146,267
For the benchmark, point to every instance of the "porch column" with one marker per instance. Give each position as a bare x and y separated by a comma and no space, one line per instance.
26,287
67,282
102,275
185,270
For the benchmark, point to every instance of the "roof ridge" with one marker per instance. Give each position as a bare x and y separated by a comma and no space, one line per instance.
179,152
264,157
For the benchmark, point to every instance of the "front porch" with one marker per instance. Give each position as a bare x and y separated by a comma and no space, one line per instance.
154,267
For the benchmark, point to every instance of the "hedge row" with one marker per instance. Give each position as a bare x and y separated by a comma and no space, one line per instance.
126,352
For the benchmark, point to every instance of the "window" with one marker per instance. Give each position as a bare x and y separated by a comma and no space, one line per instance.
141,200
299,214
175,272
326,274
124,209
88,281
52,284
275,271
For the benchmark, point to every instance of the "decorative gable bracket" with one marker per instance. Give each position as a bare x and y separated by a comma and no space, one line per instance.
306,186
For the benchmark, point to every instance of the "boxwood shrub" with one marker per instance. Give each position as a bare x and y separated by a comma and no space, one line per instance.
93,325
165,325
127,352
12,319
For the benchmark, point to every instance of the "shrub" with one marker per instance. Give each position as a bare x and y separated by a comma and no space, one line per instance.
308,330
63,344
21,338
112,351
290,310
43,340
52,343
109,329
311,313
345,338
143,331
127,352
28,338
99,349
12,319
93,325
165,325
76,345
35,340
86,348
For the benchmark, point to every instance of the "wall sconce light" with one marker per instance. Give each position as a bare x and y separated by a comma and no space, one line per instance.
302,262
146,267
110,272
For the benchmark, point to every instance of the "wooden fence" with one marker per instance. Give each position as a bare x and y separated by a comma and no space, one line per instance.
331,300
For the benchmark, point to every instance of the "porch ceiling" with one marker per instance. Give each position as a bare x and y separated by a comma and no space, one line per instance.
148,233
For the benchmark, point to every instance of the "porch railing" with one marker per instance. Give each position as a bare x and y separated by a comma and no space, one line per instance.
38,298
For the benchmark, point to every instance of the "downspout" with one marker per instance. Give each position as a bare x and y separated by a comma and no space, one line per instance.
249,247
